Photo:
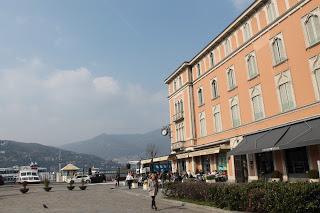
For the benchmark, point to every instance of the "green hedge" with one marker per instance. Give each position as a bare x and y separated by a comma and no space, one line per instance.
252,197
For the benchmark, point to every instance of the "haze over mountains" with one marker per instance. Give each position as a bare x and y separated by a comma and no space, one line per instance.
121,147
14,153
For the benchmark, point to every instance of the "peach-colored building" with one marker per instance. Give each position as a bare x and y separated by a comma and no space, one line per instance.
248,103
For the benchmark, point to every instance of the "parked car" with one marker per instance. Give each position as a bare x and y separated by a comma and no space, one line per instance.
98,178
1,180
79,178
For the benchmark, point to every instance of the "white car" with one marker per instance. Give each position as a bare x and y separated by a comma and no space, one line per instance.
79,178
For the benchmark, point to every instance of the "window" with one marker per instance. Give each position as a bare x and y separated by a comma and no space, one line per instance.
315,72
203,131
212,59
235,112
272,12
180,132
227,47
175,85
285,91
246,31
200,97
252,65
178,106
257,103
297,160
312,27
231,78
214,87
217,119
278,50
180,81
198,69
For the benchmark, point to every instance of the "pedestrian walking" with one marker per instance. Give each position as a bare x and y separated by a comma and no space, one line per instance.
129,179
118,179
153,190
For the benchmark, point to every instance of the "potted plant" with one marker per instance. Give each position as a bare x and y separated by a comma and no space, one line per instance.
82,186
71,186
276,176
24,189
313,176
210,179
46,184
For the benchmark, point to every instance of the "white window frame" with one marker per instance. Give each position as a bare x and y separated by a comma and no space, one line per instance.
283,55
247,58
314,63
216,110
202,96
180,82
198,67
254,92
305,31
212,59
275,8
227,47
232,102
203,129
217,88
280,79
180,132
234,78
247,26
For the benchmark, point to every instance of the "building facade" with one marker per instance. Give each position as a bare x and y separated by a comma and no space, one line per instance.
248,103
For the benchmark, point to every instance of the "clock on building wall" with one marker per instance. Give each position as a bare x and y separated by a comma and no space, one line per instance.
165,130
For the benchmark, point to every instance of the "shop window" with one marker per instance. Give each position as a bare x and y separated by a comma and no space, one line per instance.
205,162
222,162
297,160
264,163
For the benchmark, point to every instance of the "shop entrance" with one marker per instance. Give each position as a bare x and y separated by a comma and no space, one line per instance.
264,164
241,168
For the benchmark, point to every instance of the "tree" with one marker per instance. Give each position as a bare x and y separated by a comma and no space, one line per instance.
151,152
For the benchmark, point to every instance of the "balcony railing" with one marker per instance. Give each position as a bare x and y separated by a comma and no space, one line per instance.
177,145
178,117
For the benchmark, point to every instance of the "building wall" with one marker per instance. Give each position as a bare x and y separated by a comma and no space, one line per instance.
290,27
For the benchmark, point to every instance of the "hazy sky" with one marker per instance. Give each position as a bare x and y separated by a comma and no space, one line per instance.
73,69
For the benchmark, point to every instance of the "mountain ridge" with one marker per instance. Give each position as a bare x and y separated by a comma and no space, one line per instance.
121,147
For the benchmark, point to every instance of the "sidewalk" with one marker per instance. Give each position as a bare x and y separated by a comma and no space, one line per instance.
160,196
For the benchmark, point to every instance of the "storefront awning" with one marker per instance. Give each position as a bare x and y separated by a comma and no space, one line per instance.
210,151
302,134
291,136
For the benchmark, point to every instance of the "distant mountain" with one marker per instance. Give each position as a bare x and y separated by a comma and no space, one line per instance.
121,147
16,153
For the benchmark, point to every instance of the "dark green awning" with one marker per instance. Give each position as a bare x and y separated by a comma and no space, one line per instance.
295,135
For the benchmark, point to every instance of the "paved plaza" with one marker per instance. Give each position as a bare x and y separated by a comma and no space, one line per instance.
97,198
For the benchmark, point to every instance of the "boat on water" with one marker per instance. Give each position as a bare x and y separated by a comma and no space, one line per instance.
28,174
9,174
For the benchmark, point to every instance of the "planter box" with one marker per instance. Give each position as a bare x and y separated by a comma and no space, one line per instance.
134,185
210,181
145,187
314,180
